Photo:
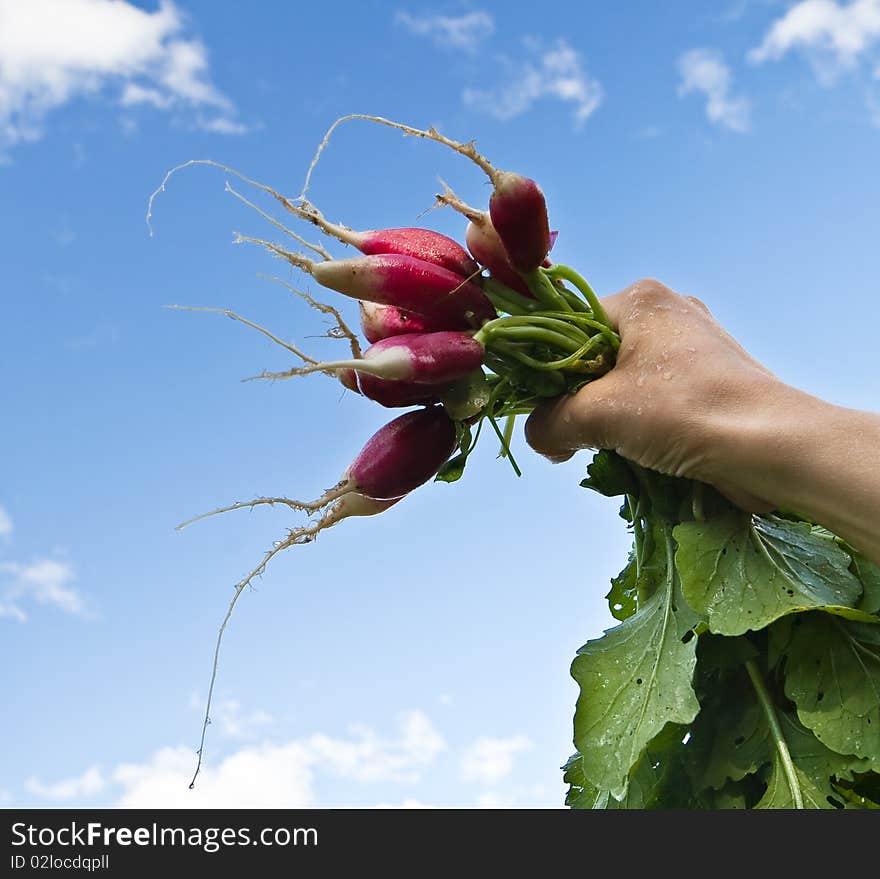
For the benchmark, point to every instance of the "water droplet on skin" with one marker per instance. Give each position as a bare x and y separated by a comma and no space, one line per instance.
640,381
667,375
639,410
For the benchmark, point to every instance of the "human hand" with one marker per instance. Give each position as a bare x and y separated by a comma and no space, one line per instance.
679,388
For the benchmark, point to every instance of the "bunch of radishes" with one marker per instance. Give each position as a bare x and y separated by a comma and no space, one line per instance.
468,336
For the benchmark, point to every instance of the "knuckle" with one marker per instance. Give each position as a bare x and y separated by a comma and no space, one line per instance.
649,291
699,304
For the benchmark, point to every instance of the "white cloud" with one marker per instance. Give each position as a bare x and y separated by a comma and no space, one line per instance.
464,32
845,30
45,581
370,758
265,776
5,522
88,784
406,804
52,51
489,760
282,775
235,723
555,73
704,71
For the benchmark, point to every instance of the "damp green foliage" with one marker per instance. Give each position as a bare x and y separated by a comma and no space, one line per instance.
743,572
819,771
634,680
745,669
832,674
869,576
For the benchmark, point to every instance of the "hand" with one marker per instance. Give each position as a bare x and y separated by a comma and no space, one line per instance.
687,400
678,377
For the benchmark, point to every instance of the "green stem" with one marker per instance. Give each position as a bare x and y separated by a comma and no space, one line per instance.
505,447
569,274
545,366
635,511
583,320
547,293
501,296
508,433
557,324
535,334
775,731
573,299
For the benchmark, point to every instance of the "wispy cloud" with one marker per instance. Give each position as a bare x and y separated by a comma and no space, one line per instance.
554,73
464,32
233,721
846,31
703,71
489,760
53,51
44,581
282,775
292,772
5,522
88,784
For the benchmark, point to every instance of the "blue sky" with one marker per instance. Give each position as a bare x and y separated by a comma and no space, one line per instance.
420,657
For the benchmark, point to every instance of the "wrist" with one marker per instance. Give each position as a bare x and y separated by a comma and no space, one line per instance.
806,456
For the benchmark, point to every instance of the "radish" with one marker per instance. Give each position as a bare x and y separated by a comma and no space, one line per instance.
348,379
394,394
405,281
424,358
380,321
424,244
421,243
519,214
486,247
403,455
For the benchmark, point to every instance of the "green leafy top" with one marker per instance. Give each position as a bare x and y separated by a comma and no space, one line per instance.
745,671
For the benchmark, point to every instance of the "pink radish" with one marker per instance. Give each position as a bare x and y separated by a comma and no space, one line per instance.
348,379
393,394
423,244
519,214
408,283
381,321
424,358
402,455
420,243
486,247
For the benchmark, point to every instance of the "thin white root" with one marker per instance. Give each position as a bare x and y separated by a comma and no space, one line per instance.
316,248
449,198
468,150
304,211
293,349
267,189
295,259
343,508
339,490
328,367
342,329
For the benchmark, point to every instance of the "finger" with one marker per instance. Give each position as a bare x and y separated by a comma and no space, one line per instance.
557,428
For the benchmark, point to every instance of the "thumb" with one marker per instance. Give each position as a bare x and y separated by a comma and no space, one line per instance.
559,427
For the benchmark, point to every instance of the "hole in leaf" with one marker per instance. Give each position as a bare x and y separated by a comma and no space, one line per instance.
790,591
836,803
686,637
638,680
